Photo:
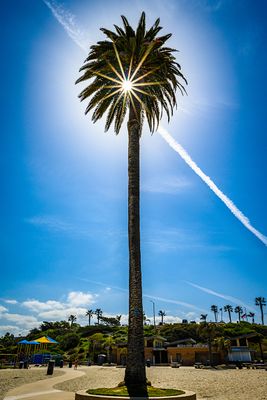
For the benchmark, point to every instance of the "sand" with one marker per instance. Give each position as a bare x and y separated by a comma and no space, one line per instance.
11,378
209,384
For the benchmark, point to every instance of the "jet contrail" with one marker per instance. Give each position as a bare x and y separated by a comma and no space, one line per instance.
221,295
66,19
229,204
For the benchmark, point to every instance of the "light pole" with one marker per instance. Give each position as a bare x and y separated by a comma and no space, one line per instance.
154,316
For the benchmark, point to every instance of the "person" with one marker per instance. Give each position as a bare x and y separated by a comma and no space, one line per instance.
75,364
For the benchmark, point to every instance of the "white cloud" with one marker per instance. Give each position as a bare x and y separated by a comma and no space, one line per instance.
3,309
55,310
80,298
11,301
9,328
63,314
38,306
24,321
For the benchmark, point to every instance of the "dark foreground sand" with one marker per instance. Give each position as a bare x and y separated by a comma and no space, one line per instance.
11,378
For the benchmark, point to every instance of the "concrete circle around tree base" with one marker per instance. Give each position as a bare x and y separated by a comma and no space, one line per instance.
82,395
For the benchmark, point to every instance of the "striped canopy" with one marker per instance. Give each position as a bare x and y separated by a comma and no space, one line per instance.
46,340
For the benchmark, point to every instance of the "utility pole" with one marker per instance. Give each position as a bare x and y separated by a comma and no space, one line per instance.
154,316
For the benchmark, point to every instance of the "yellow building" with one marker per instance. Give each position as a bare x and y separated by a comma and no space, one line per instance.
160,352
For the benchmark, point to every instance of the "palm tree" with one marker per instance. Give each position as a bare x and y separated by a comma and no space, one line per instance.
72,318
239,311
132,70
261,302
251,315
209,332
214,309
98,313
228,309
203,317
223,345
162,314
89,314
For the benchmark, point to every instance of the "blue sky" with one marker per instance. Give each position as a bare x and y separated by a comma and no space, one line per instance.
64,181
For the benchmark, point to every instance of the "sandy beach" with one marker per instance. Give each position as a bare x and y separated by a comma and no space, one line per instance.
208,384
11,378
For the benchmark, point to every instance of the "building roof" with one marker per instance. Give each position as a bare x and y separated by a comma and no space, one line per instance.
181,341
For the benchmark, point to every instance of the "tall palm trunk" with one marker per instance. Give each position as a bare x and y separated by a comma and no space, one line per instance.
135,369
230,317
262,315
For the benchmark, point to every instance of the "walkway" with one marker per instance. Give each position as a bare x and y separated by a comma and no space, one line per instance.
44,389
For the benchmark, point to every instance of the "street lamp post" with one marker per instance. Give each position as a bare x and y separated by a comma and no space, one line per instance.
154,316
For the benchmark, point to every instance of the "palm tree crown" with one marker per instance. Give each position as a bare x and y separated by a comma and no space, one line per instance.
203,317
214,309
239,311
72,318
98,313
89,314
131,68
162,314
228,308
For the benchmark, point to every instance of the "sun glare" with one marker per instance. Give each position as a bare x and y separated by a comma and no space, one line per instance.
127,85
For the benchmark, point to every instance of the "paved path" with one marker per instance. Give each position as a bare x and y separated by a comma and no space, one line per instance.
44,389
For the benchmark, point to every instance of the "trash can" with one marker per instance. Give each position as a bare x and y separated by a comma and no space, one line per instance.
61,363
21,364
148,363
26,364
70,364
50,367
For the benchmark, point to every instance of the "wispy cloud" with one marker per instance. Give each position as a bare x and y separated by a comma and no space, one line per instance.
2,309
149,296
221,295
172,301
228,202
52,223
167,185
10,301
67,20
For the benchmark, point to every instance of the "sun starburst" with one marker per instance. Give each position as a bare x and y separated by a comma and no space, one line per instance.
129,84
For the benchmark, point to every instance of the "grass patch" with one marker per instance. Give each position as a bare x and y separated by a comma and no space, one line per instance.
123,391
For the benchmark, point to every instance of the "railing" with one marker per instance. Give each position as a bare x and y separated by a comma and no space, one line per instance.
192,345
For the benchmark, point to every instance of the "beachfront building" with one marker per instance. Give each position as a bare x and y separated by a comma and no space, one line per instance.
160,352
241,350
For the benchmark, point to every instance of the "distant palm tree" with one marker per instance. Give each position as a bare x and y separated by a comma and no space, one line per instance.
72,318
223,345
89,314
203,317
228,309
98,313
251,315
261,302
162,314
209,332
214,309
132,70
239,311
